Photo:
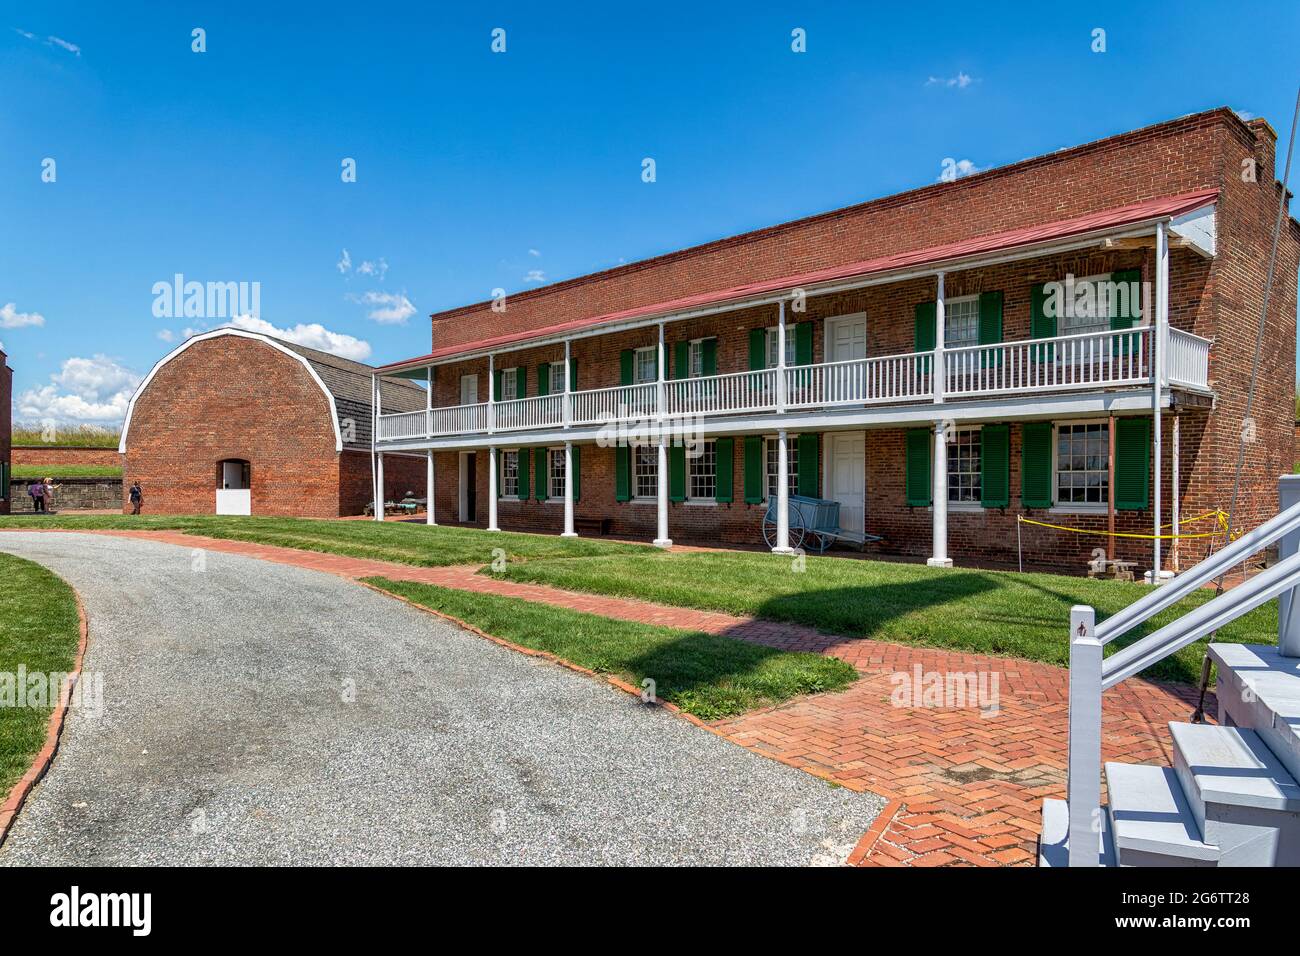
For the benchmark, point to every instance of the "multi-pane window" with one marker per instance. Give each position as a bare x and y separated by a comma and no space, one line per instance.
645,367
702,468
1086,313
772,456
645,471
510,474
555,472
557,377
1082,464
509,384
696,364
964,467
772,347
961,322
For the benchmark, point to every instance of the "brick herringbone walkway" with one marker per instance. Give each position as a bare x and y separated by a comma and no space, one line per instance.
966,782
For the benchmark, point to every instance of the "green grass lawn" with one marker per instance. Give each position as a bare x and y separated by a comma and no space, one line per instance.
36,472
991,612
406,543
88,436
708,675
39,629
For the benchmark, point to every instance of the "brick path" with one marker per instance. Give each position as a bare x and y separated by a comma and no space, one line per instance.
966,784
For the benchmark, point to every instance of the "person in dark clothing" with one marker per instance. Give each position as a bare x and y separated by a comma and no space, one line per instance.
137,498
37,491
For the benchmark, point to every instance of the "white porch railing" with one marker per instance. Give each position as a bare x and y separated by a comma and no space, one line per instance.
1091,360
1189,359
1090,674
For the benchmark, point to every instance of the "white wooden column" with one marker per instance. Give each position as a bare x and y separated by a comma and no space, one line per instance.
939,367
782,493
492,395
568,377
1157,386
379,488
428,428
1083,775
661,397
376,498
1175,512
568,484
661,536
780,357
939,508
492,486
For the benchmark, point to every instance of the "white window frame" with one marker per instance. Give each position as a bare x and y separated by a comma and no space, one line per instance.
977,504
963,301
695,359
1096,324
705,450
769,346
510,384
653,473
771,451
557,375
637,355
555,473
505,457
1077,507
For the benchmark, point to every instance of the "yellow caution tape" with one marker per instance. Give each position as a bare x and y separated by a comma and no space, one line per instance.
1220,517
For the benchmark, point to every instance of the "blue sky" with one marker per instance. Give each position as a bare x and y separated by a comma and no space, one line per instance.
478,170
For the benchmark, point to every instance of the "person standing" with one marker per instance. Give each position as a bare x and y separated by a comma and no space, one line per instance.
49,494
37,492
137,498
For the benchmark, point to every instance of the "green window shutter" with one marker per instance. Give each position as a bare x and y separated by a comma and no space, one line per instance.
990,330
521,381
923,331
577,473
622,473
754,490
710,356
1041,325
542,470
1132,463
682,359
918,488
995,466
525,466
726,490
544,378
1036,464
677,472
757,349
1128,310
809,459
496,385
803,343
625,367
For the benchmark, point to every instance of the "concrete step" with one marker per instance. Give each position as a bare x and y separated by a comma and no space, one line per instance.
1244,801
1054,840
1152,822
1259,689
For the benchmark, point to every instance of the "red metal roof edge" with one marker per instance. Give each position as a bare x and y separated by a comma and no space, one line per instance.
1165,206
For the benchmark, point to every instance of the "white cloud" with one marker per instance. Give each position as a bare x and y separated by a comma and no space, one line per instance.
536,254
956,169
958,82
70,47
344,263
1244,115
377,269
313,335
95,389
167,335
30,36
535,275
388,308
11,318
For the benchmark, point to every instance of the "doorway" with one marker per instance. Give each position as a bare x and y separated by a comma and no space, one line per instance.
846,477
234,487
468,487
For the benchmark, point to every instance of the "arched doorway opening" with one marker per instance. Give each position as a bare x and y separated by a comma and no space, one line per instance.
234,487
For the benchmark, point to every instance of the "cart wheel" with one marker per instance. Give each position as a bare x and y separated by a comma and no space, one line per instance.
769,532
818,542
797,536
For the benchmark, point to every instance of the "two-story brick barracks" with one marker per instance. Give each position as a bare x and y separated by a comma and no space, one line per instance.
1067,339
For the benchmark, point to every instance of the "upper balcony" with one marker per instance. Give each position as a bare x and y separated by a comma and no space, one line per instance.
1087,363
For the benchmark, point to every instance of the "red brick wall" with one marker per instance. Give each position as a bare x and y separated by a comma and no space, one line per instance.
65,455
1174,157
402,474
233,397
6,422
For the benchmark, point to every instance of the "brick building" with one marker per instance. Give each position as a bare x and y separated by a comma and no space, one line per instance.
1066,339
6,431
236,422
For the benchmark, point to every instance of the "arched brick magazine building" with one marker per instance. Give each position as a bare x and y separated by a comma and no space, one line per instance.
235,422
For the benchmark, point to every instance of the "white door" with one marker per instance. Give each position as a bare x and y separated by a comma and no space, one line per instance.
846,338
846,477
469,389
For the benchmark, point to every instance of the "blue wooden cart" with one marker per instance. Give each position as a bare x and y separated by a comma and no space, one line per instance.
814,524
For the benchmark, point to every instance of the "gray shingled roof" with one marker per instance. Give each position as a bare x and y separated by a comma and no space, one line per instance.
349,383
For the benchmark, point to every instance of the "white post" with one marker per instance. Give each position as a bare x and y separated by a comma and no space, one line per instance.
568,487
379,489
782,494
1175,512
492,487
661,537
780,363
428,403
661,396
428,488
1288,619
568,398
492,400
939,369
1083,783
1157,385
939,506
374,432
